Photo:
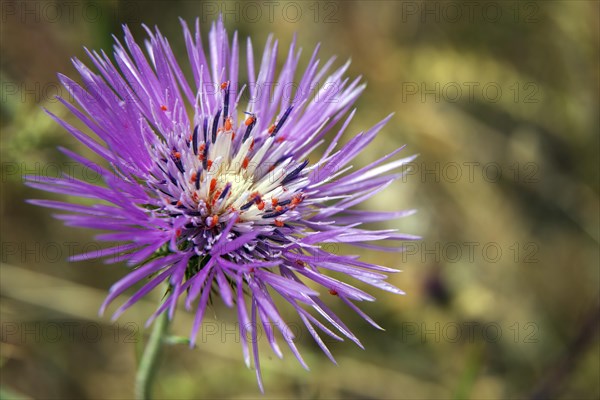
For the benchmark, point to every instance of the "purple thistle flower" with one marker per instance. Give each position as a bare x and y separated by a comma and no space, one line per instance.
214,200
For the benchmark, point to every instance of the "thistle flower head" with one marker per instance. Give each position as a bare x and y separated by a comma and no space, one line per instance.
216,198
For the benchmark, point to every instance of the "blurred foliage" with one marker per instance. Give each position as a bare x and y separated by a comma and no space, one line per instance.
500,99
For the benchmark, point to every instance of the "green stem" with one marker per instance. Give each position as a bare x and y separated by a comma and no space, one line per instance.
149,362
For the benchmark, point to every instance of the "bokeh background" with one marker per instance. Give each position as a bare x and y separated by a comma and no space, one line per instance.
499,98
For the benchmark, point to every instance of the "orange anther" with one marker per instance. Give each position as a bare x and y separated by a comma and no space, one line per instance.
225,85
333,292
216,196
297,199
272,129
245,162
213,184
228,124
249,120
279,223
214,220
163,107
260,205
274,201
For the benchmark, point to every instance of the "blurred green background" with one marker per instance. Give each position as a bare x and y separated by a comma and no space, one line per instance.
500,99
